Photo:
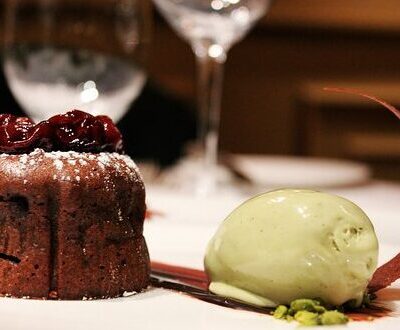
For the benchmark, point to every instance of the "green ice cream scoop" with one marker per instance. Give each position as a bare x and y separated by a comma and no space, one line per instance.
289,244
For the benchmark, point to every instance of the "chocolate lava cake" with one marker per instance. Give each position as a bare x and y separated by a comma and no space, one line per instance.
72,208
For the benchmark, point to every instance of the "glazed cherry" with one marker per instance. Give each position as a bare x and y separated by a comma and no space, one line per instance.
74,131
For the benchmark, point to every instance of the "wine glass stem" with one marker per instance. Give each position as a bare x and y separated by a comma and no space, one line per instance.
210,63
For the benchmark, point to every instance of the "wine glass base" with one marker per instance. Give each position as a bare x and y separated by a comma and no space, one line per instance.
191,176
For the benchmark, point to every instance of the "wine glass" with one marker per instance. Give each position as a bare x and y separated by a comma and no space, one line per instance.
211,27
66,54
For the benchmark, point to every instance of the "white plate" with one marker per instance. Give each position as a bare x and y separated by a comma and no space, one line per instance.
278,171
172,240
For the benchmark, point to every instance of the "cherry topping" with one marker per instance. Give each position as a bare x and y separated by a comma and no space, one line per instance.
74,131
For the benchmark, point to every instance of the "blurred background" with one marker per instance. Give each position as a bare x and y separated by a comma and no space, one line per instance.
273,102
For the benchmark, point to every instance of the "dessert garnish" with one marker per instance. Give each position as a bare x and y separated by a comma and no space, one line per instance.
194,283
74,131
390,272
290,244
194,277
280,247
387,105
385,275
297,254
150,214
310,312
72,210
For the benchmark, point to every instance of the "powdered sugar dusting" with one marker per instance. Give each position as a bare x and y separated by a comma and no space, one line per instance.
120,217
58,164
104,158
24,159
82,162
74,166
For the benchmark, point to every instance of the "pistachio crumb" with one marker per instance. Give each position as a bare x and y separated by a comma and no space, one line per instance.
333,317
310,312
281,312
307,318
310,305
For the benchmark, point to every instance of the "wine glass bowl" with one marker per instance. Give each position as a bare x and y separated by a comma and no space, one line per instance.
211,27
221,22
65,54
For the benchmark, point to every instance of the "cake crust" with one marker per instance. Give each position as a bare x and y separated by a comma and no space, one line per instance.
74,224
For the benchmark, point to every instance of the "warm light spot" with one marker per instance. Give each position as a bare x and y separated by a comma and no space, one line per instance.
216,51
89,92
279,199
241,15
217,4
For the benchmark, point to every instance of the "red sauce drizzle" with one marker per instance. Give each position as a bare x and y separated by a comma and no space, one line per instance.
195,277
194,283
150,214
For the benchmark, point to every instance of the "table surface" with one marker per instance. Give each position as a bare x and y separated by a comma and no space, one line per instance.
178,235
